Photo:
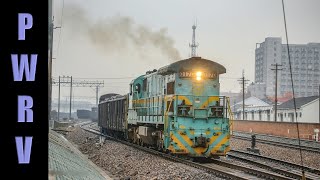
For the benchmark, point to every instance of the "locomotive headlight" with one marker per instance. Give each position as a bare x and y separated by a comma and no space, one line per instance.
198,75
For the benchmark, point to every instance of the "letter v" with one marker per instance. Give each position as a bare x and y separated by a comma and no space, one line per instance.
24,152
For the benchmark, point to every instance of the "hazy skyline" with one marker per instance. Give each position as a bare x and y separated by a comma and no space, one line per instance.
114,39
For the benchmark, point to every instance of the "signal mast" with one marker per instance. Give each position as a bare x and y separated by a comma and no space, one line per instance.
194,45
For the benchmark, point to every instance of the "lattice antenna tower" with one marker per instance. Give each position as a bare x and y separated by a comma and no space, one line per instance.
194,45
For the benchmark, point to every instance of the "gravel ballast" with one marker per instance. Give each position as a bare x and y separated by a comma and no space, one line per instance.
126,162
310,159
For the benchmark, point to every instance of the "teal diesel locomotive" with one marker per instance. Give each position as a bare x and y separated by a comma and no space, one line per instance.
176,109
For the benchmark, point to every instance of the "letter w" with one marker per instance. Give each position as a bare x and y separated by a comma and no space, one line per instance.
24,152
24,66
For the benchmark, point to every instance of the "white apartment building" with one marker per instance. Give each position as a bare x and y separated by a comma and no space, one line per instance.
305,64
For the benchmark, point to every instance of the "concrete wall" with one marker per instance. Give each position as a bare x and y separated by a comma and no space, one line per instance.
286,129
61,125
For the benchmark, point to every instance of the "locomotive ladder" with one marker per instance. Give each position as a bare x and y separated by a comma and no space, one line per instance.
230,115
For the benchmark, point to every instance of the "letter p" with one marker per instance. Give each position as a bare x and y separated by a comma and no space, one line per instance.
25,22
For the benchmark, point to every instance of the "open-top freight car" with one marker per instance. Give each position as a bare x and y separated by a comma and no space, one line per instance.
112,116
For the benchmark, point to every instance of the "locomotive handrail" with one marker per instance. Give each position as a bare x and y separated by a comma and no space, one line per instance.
166,116
231,115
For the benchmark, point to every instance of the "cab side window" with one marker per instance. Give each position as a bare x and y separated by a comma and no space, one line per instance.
138,88
170,88
130,89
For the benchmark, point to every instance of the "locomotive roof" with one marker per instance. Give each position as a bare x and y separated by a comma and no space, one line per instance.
190,64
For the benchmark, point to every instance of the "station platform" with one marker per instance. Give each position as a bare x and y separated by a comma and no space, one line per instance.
67,162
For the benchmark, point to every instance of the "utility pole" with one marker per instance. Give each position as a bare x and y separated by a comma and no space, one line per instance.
276,89
59,101
50,49
243,82
50,41
70,97
97,95
68,81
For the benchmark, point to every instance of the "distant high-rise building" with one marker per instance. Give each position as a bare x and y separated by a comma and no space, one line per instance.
305,64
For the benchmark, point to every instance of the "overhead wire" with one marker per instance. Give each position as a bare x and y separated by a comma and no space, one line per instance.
132,77
294,100
102,78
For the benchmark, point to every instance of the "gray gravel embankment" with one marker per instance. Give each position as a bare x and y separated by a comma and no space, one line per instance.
126,162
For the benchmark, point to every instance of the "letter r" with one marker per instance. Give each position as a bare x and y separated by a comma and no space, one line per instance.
25,103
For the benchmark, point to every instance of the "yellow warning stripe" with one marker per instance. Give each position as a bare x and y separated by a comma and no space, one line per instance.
218,146
187,101
209,100
176,140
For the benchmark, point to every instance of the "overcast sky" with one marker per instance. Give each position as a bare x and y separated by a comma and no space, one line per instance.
125,38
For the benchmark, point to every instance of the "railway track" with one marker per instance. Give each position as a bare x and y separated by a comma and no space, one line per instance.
217,167
278,142
281,167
